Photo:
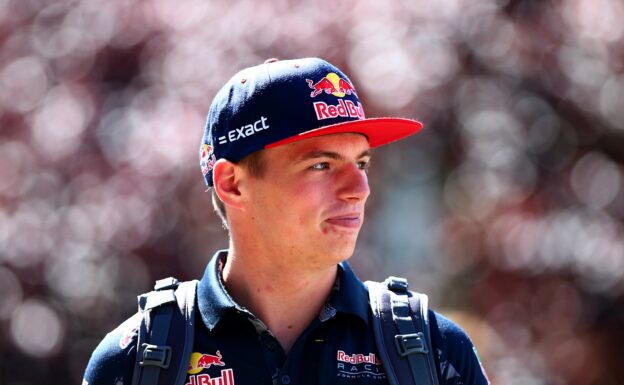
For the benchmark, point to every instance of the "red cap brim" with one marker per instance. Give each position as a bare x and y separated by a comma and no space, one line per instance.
379,131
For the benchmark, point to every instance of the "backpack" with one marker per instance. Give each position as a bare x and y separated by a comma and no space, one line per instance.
400,322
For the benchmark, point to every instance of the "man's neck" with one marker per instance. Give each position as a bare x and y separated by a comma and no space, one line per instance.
286,297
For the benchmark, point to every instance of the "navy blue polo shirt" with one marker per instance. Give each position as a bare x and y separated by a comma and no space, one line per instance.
232,346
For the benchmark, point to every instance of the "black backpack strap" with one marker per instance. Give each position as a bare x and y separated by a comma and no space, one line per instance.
165,339
401,327
183,336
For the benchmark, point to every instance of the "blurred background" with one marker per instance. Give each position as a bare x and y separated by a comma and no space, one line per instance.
508,209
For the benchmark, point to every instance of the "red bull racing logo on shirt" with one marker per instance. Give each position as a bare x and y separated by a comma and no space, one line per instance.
201,361
357,365
332,84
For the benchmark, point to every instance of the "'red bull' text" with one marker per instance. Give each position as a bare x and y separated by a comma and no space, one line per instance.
346,109
226,378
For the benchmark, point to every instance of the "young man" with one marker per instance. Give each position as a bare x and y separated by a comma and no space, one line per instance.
286,150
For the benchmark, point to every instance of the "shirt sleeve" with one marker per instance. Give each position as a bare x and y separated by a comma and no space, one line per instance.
457,358
112,361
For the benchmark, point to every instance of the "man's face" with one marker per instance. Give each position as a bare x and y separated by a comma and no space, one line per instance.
309,202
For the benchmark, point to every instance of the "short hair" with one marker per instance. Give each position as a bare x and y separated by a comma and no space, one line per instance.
254,163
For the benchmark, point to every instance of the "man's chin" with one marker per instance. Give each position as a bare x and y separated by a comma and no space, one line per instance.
342,252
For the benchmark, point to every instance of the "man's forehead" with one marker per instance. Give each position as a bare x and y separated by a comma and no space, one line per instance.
333,145
314,154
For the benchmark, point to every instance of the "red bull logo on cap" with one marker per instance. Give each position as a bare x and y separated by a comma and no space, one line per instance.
207,159
344,108
331,84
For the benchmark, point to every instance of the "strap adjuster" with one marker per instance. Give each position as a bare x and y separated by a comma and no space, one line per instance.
156,298
155,355
397,284
411,343
166,283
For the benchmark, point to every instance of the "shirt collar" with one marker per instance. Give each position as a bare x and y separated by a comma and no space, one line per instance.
213,300
349,295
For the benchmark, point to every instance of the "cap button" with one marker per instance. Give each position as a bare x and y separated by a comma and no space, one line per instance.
271,60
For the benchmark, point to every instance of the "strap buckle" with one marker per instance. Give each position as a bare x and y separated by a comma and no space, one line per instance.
411,343
155,355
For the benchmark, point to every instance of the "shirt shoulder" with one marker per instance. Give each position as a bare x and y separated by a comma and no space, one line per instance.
112,361
457,358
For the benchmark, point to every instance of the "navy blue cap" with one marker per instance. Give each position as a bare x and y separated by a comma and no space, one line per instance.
282,101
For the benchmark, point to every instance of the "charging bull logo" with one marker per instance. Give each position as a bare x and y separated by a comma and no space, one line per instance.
207,159
201,361
331,84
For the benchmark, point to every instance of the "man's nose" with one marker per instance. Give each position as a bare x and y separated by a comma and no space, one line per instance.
353,184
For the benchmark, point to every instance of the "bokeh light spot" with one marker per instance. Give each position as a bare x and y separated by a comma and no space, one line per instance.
37,329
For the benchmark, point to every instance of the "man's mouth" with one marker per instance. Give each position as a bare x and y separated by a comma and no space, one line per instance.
350,221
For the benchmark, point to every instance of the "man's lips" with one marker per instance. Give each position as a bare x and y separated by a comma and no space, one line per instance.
351,220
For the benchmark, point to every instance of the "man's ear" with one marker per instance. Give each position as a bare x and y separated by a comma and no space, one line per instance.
225,177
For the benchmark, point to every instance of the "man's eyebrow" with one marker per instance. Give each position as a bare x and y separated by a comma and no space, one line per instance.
328,154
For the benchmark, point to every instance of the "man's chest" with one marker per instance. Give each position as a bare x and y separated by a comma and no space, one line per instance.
332,352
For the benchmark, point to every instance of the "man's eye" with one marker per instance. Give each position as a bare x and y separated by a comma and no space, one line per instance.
364,165
320,166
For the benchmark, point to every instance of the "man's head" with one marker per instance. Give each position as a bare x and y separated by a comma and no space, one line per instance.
262,119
